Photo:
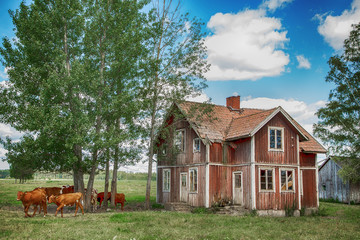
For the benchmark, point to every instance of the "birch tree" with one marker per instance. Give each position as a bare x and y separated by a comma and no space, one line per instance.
175,67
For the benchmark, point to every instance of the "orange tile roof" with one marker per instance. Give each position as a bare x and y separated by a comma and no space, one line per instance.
222,124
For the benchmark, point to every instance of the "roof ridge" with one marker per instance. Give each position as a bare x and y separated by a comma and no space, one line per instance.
226,106
272,109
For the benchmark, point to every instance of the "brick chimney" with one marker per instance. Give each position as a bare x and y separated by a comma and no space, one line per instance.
233,102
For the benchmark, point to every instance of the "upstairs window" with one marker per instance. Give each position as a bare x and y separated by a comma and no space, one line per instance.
276,136
287,180
196,145
266,179
180,140
193,179
166,180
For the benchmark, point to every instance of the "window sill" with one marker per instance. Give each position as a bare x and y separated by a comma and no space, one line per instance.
276,150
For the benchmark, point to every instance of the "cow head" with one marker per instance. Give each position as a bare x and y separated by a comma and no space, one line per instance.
52,199
20,195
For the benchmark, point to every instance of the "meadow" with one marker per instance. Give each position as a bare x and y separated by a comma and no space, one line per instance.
334,220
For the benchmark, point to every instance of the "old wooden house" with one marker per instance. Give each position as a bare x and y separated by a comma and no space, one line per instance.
256,158
332,187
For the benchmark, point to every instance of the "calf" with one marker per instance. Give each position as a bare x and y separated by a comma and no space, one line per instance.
35,198
100,197
120,198
67,199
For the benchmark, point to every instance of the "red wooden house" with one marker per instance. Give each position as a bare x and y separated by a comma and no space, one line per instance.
260,159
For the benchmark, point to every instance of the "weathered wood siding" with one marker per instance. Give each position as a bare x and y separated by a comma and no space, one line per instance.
262,153
331,186
221,183
194,199
275,199
309,197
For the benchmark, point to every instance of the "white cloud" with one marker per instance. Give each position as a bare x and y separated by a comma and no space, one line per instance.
335,29
202,97
4,74
245,46
303,62
272,5
303,113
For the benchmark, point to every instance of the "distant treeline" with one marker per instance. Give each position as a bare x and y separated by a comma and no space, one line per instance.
5,173
100,176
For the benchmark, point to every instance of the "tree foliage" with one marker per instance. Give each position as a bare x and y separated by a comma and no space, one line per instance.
339,124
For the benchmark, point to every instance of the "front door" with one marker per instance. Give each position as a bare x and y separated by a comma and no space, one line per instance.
237,188
183,187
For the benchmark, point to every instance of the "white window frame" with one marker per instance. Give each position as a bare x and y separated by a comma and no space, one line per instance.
191,182
293,179
273,179
282,139
184,137
166,188
194,144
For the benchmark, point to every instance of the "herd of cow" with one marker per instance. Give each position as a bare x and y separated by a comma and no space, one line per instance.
64,196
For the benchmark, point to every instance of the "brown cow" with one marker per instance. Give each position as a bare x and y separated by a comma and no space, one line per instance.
101,196
50,191
67,199
120,198
67,189
35,198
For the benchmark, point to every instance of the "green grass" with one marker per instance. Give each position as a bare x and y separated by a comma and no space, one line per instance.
335,221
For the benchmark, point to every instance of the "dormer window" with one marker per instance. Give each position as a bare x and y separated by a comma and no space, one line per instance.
196,145
276,136
180,140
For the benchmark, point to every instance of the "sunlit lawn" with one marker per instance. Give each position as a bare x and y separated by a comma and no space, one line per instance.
334,221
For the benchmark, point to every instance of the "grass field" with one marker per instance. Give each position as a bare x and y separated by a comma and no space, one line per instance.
334,221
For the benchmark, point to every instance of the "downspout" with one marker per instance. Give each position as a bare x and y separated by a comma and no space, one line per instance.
207,175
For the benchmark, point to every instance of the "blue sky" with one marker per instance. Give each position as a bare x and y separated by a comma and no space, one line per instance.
271,53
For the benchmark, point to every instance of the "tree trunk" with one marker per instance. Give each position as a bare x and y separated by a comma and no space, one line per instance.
116,163
151,155
107,173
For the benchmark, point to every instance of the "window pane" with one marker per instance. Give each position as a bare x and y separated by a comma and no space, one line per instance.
278,139
283,180
237,181
269,179
183,180
272,138
290,180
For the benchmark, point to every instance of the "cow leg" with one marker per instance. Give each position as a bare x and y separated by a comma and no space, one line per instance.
76,209
101,199
81,207
62,212
122,206
60,207
44,206
26,209
35,209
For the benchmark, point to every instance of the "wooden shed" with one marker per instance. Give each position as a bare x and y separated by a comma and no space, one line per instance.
256,158
332,187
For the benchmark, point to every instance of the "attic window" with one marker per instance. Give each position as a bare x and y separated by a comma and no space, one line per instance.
180,140
196,145
276,136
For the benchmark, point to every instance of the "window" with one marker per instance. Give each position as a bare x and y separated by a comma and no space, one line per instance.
266,180
196,145
276,136
166,180
287,180
180,140
193,179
